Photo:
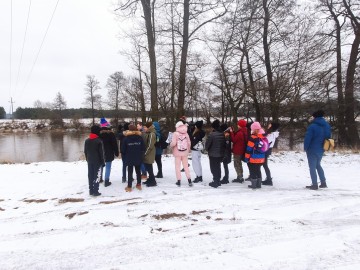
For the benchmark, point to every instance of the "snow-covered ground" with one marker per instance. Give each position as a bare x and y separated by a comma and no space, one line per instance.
48,220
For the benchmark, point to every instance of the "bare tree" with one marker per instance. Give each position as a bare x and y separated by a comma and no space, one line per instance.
59,104
92,99
115,85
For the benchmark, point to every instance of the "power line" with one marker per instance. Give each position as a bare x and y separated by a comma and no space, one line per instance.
11,32
41,45
23,45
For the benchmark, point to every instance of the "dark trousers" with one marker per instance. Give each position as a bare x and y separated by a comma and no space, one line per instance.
123,157
130,173
215,168
151,176
226,170
255,170
94,177
158,163
266,167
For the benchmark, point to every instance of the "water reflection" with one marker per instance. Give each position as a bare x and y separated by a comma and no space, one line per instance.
37,147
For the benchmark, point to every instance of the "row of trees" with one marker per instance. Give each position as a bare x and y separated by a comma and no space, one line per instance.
2,113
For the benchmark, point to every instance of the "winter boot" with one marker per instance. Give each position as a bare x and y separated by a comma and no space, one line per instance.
224,180
144,176
323,185
258,183
190,183
312,187
107,183
151,184
124,179
214,184
138,187
96,193
198,179
253,183
238,179
267,182
128,189
159,175
178,183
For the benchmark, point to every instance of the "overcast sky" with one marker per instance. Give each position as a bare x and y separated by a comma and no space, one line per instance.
81,40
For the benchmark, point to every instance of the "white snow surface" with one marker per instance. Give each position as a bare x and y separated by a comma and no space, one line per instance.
232,227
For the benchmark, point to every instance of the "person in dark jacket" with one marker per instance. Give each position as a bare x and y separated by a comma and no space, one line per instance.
121,136
253,157
110,147
94,154
215,146
316,133
197,136
133,147
159,150
227,154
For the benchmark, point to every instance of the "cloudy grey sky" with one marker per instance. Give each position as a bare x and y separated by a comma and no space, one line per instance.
82,39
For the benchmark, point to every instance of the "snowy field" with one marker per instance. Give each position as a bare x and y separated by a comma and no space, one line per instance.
48,220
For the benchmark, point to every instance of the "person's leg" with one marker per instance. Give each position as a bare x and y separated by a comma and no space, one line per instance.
130,173
159,165
312,161
253,175
91,177
184,161
96,180
177,168
215,164
138,175
320,170
123,168
107,170
238,166
151,180
196,162
266,167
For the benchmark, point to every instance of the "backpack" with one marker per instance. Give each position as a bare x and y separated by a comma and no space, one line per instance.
161,143
181,143
263,145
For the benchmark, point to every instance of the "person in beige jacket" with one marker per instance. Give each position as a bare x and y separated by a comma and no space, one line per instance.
149,137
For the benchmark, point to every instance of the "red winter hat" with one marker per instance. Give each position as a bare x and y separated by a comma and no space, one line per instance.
241,123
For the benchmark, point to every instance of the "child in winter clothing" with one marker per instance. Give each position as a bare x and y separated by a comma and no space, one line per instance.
94,154
271,134
133,147
253,157
110,147
197,136
239,139
215,146
180,136
227,154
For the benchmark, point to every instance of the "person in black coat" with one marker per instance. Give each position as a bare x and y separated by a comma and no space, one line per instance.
111,148
227,154
133,147
94,154
215,146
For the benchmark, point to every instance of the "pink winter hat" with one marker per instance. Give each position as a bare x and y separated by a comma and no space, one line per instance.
257,126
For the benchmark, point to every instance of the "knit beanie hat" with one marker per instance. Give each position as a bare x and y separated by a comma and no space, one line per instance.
257,126
223,127
199,124
318,113
215,124
95,129
179,123
241,123
104,123
148,124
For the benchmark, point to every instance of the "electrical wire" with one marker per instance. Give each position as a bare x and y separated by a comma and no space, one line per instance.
41,45
11,32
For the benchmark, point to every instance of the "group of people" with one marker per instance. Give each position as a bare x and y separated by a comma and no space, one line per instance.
242,142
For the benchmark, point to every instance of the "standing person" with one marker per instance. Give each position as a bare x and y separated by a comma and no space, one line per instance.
316,133
159,150
253,156
181,145
110,147
133,146
227,154
197,136
271,134
140,127
150,151
215,146
123,155
94,154
239,139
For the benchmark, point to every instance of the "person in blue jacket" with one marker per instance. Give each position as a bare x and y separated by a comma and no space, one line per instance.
316,133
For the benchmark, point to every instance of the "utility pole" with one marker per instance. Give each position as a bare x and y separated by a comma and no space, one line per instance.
12,108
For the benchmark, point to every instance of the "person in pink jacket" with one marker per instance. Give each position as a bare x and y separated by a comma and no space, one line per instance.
181,145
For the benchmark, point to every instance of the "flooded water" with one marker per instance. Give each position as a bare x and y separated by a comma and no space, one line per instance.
37,147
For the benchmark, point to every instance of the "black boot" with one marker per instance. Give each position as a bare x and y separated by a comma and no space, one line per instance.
253,183
238,179
312,187
224,180
213,184
178,183
107,183
258,183
159,175
198,179
267,182
190,183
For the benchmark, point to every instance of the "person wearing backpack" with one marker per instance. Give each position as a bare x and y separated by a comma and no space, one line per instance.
215,146
196,137
271,134
316,133
255,154
180,145
239,139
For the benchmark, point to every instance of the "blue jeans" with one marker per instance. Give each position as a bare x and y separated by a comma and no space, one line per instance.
107,170
314,160
142,168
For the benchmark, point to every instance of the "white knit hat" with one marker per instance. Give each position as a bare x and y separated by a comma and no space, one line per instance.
178,124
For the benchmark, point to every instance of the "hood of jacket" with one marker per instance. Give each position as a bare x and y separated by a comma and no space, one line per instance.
182,129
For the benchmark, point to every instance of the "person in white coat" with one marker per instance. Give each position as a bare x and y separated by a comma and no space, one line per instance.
272,134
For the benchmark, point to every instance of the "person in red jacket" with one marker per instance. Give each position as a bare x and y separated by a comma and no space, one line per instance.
239,139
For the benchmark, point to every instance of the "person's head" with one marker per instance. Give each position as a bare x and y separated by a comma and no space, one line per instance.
215,124
139,126
126,126
132,127
256,128
147,125
273,126
95,129
241,123
318,113
183,119
199,124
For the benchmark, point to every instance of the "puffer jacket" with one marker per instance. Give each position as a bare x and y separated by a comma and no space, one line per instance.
251,154
159,150
181,130
215,144
94,150
149,139
110,144
316,133
133,147
239,140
